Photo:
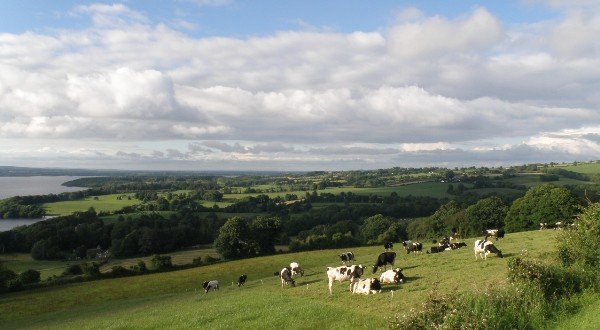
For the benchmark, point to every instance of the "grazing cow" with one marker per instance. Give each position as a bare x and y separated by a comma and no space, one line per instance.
210,285
368,285
344,273
558,225
388,246
242,280
384,259
455,246
296,269
347,257
286,277
485,247
498,233
412,246
392,276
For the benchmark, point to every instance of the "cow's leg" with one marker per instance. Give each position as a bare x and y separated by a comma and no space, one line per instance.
330,285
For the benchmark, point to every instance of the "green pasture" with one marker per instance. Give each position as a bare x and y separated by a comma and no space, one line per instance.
533,180
175,300
107,203
178,258
20,262
586,168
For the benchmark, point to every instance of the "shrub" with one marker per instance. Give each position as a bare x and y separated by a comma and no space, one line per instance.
6,275
161,262
29,276
141,266
91,269
73,270
119,271
210,260
197,261
581,246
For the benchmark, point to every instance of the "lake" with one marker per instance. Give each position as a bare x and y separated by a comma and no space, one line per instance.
34,185
31,185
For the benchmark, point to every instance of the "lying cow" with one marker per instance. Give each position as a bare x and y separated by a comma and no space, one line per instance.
384,259
296,269
286,277
497,233
368,285
344,273
439,248
483,248
210,285
392,276
414,247
346,257
455,246
242,280
388,246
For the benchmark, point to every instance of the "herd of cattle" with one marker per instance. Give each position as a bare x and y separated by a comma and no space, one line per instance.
354,273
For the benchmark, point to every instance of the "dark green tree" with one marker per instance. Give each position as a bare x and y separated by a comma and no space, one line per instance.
486,214
375,226
265,231
235,239
544,203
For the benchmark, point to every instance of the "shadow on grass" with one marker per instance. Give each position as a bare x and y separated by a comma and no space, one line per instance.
506,255
307,282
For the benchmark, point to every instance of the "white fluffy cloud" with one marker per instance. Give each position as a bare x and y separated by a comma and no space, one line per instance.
422,86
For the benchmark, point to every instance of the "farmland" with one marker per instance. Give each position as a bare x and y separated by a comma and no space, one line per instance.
173,300
105,203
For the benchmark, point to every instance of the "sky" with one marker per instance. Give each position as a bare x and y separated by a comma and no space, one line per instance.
298,85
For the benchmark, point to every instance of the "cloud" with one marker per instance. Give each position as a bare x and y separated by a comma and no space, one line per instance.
426,85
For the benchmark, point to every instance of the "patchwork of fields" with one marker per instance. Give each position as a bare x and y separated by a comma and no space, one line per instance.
174,300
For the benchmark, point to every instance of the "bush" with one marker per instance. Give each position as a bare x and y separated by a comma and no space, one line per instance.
141,266
91,269
210,260
119,271
6,275
197,261
73,270
29,276
581,246
161,262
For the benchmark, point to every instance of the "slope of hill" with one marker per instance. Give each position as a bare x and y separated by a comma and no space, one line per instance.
175,299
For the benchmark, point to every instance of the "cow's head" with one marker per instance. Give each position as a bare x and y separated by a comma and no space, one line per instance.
399,277
358,271
375,284
204,285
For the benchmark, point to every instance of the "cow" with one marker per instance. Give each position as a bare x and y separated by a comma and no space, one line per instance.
412,246
384,259
455,246
346,257
497,233
392,276
544,225
367,285
296,269
388,246
344,273
484,247
242,280
558,225
454,235
437,249
444,241
210,285
286,277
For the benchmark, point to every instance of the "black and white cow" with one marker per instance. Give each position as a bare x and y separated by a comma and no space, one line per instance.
296,269
484,247
384,259
497,233
344,273
392,276
367,286
286,277
346,257
412,246
242,280
455,246
210,285
388,246
558,225
438,249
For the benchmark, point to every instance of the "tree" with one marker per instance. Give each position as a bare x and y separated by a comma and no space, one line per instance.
265,231
545,203
375,226
438,223
581,246
235,239
213,196
486,214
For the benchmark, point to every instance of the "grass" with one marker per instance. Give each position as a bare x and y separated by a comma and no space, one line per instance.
20,262
178,258
587,318
533,180
586,168
107,203
173,299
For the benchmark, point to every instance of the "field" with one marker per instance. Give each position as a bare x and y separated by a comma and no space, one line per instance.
106,203
173,299
586,168
20,262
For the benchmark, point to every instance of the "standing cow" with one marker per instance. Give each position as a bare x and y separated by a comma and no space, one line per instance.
242,280
414,247
346,257
388,246
384,259
286,277
483,248
210,285
296,269
344,273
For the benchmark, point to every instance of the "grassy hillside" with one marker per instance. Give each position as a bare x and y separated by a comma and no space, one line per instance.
99,203
174,299
587,168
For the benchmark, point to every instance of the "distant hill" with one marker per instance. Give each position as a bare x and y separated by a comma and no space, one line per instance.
32,171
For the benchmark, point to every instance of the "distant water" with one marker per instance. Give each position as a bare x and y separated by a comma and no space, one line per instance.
34,185
8,224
